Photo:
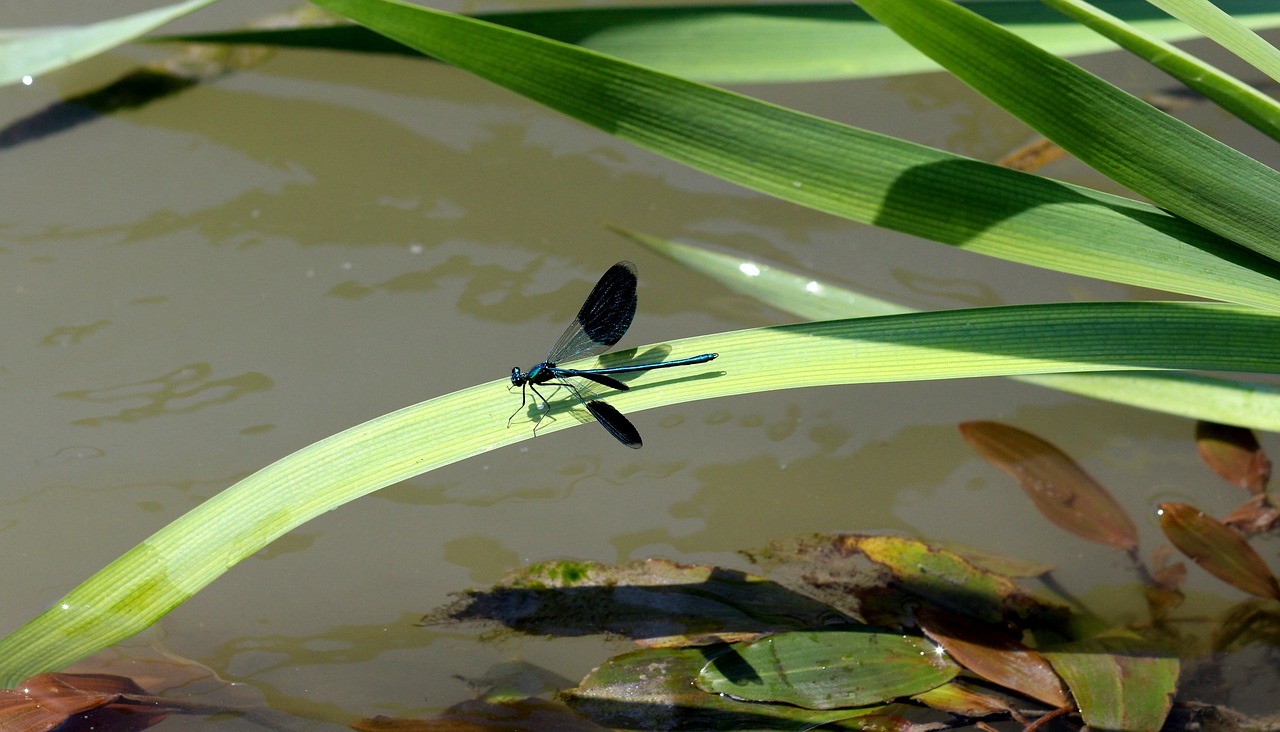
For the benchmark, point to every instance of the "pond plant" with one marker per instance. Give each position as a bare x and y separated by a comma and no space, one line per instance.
931,626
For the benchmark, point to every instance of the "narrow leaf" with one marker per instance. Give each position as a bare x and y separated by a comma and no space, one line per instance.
35,51
1221,551
1227,31
1228,92
1176,166
1062,491
166,569
839,169
828,669
1195,396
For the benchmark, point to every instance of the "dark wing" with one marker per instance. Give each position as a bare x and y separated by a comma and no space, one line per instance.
618,425
604,318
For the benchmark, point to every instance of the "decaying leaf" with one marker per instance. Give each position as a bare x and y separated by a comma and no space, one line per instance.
1062,491
1219,549
879,578
97,701
994,655
1258,515
1234,454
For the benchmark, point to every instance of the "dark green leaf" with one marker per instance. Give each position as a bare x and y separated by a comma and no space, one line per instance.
1119,683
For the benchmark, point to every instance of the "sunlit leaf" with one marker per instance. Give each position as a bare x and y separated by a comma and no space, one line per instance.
992,655
746,44
1119,683
1196,396
1234,454
1220,550
828,669
1060,489
653,689
1153,154
35,51
651,599
878,578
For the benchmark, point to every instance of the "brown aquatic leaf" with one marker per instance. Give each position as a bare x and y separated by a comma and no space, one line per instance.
1258,515
877,578
1219,549
46,701
1164,594
1234,454
1060,488
994,655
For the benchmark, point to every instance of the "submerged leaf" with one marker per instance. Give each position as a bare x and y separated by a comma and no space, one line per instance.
1220,550
994,656
1258,515
95,701
1119,683
829,669
524,715
645,600
879,578
1234,454
1060,489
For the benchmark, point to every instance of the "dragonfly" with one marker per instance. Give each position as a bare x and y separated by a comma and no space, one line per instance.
603,320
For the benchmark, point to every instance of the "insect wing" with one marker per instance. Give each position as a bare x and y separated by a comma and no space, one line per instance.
604,318
618,425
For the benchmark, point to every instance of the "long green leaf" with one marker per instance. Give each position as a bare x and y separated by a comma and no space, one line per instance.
1169,162
1218,25
1212,399
1228,92
839,169
740,44
36,51
162,572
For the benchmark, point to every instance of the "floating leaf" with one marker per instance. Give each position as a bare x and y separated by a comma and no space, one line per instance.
651,599
1217,548
653,689
994,655
1119,683
1234,454
1060,488
877,578
829,669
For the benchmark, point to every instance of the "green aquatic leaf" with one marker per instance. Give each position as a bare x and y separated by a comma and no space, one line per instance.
36,51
